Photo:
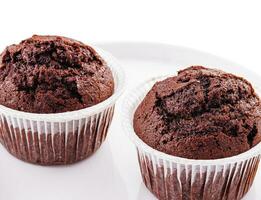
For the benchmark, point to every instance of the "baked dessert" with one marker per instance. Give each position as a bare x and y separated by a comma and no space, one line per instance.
197,134
200,114
57,98
52,74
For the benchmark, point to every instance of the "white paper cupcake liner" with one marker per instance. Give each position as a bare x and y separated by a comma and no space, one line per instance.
60,138
170,177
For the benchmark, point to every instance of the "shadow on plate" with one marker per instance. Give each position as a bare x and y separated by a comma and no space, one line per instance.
94,178
145,194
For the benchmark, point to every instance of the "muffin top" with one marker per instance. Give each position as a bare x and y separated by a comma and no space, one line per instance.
53,74
200,114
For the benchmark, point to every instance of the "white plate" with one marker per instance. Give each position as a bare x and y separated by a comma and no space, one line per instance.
112,172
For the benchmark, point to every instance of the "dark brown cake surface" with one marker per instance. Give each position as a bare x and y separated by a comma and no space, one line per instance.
52,74
200,114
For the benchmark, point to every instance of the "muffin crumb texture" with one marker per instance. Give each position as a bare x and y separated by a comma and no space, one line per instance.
200,114
52,74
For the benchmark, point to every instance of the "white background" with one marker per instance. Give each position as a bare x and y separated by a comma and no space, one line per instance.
228,28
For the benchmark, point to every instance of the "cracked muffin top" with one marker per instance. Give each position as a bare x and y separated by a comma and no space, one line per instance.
200,114
52,74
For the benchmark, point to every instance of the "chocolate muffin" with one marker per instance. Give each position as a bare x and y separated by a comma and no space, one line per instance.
46,75
52,74
201,113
